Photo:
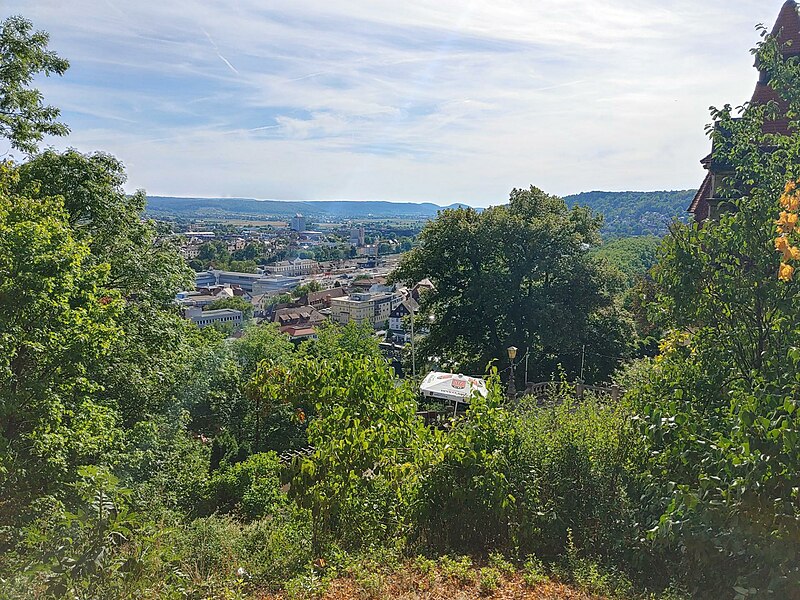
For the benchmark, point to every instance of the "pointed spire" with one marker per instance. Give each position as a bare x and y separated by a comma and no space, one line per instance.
787,28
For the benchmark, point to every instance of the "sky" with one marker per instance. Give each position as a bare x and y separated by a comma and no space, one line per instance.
442,101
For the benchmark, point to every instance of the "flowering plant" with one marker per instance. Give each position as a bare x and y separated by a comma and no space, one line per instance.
787,227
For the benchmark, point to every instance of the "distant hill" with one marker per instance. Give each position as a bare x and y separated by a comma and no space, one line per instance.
636,213
231,208
626,213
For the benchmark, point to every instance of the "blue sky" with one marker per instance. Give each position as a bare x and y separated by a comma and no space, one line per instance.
446,101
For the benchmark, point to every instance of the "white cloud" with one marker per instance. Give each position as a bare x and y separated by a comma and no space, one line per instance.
457,100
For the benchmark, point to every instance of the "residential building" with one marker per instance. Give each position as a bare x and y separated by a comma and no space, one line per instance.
298,223
706,203
305,316
397,326
365,307
322,299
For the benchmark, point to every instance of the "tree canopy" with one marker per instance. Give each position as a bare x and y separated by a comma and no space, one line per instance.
518,274
24,118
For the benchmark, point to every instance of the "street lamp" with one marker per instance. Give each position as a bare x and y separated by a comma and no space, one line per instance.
512,390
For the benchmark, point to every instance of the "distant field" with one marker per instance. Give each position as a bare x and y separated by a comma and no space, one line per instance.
247,222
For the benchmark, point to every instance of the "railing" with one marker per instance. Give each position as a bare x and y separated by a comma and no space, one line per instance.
549,389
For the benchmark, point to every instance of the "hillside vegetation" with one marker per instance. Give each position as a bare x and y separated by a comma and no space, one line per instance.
144,458
237,208
636,213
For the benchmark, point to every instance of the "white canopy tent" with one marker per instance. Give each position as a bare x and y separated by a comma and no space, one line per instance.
452,387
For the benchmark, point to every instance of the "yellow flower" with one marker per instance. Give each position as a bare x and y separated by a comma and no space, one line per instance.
790,201
790,186
787,222
781,244
785,272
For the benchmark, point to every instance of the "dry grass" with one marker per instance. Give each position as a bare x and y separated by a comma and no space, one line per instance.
410,584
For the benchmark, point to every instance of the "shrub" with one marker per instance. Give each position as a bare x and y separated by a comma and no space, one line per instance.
362,479
575,471
489,580
251,488
466,500
459,568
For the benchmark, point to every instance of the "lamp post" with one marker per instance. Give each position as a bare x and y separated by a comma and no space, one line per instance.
413,355
512,389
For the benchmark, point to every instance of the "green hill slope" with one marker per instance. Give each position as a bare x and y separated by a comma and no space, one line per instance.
636,213
229,208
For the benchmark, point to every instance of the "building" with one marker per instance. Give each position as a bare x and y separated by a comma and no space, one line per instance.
706,204
279,284
253,283
397,327
300,316
357,237
365,307
222,316
322,299
293,268
298,223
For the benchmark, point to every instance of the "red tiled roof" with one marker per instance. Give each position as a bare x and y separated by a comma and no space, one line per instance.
699,205
787,28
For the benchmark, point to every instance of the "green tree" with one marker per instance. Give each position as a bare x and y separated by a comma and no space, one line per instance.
517,275
353,339
24,118
235,303
56,323
718,408
361,481
311,286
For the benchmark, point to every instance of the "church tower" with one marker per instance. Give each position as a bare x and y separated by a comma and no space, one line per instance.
787,31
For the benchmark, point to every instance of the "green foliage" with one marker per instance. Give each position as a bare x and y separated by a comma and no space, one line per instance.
101,548
490,579
250,488
458,568
533,572
576,472
24,118
633,256
635,213
717,408
270,551
311,286
235,303
361,480
466,499
333,340
56,324
519,275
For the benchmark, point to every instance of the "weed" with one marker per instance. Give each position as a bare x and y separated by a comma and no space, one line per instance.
499,562
490,580
459,569
533,572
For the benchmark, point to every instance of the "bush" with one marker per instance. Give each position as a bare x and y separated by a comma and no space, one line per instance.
466,500
576,471
269,550
251,488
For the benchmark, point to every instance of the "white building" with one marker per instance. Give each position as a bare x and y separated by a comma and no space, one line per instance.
223,316
359,308
398,314
298,223
293,268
